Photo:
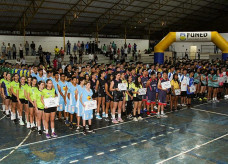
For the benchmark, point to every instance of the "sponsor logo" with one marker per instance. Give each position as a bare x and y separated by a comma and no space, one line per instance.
182,36
88,97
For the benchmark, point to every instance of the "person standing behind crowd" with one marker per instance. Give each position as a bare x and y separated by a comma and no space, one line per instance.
26,48
82,46
21,51
87,48
33,48
3,49
9,51
49,92
75,49
68,47
129,48
14,49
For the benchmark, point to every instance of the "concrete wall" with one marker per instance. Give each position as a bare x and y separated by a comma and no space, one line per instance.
48,43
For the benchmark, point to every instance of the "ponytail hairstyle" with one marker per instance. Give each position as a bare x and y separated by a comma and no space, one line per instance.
102,71
34,78
20,81
137,83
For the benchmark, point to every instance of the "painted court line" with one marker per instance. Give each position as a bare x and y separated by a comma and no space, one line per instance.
16,146
64,136
88,157
198,146
210,112
112,150
101,153
2,117
134,144
74,161
122,147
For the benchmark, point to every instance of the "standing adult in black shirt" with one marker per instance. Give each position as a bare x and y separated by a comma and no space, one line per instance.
33,48
68,71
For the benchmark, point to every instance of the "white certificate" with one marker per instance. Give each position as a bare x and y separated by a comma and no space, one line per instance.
166,85
177,92
51,102
142,91
122,86
90,105
192,89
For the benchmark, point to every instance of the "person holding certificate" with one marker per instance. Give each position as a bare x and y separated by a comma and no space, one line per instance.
49,112
122,77
137,99
31,96
100,87
175,92
190,83
183,81
197,82
39,106
117,98
152,85
85,96
203,79
162,92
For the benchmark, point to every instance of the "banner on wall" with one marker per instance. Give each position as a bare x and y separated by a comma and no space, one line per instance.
193,36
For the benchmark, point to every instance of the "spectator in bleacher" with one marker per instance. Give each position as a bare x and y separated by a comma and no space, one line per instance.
14,49
71,60
79,45
68,47
55,62
75,59
82,46
59,61
3,49
33,48
56,51
21,51
48,59
75,49
9,51
90,47
26,48
23,61
139,55
36,62
129,48
62,53
93,48
104,49
125,51
87,48
40,50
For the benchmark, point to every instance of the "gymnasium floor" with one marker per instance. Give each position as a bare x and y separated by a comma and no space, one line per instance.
198,135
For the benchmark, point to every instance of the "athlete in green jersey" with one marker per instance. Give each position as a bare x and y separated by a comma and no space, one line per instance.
14,86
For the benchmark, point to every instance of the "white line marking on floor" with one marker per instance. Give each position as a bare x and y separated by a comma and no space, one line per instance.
101,153
198,146
161,135
162,125
17,146
176,130
116,130
171,128
2,117
134,144
122,147
74,161
88,157
153,137
210,112
169,132
112,150
143,140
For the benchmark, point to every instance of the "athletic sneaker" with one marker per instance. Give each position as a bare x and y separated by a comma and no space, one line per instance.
98,117
87,127
107,119
12,118
67,123
84,132
21,123
74,123
140,118
78,129
28,125
216,100
153,112
8,116
40,132
158,115
115,121
135,119
71,126
54,135
145,110
56,118
48,136
200,99
91,131
120,119
33,129
4,112
183,104
15,121
164,116
175,110
148,113
103,115
204,98
155,107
